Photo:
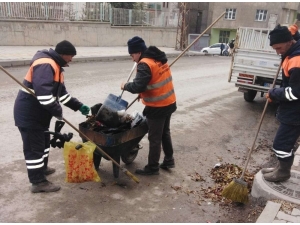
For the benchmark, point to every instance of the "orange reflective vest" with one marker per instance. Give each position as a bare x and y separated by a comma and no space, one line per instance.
290,63
58,77
160,90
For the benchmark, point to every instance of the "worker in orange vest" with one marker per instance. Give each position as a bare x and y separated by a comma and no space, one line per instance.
153,83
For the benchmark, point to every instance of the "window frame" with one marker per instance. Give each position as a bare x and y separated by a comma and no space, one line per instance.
224,36
261,15
231,12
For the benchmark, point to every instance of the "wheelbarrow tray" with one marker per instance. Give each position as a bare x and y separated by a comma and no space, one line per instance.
115,145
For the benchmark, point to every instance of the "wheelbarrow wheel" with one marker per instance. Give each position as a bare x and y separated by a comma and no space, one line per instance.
129,157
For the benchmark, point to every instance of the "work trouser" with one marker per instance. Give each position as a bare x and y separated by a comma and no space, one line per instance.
285,141
159,135
36,146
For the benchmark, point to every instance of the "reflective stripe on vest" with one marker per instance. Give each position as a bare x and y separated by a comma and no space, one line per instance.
160,91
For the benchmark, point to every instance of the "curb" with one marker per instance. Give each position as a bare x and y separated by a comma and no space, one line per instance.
26,62
269,213
261,189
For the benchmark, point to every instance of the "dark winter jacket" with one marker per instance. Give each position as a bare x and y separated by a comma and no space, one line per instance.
143,77
36,113
288,95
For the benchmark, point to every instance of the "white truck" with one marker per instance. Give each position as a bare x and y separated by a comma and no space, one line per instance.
254,63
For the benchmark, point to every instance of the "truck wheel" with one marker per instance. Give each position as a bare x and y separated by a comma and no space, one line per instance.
249,95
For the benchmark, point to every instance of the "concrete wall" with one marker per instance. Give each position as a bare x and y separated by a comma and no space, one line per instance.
87,34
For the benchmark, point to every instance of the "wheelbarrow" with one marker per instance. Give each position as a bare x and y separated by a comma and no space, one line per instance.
124,145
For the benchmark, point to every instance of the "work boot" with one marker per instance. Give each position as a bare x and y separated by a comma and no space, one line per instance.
147,171
282,173
49,171
45,186
167,164
269,170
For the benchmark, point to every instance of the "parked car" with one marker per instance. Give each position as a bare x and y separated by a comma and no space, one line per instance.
214,49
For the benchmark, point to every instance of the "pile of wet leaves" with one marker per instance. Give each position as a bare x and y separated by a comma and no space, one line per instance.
223,174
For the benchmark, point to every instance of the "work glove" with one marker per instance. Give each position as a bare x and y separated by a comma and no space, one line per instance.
84,109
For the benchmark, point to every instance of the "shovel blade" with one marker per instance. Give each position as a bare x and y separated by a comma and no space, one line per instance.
108,112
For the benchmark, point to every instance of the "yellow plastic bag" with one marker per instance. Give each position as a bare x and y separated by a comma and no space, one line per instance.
79,163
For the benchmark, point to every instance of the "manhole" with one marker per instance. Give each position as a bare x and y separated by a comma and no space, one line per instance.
289,188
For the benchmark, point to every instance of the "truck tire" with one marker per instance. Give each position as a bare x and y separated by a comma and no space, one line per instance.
249,95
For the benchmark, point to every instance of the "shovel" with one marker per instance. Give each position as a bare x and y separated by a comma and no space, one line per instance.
108,112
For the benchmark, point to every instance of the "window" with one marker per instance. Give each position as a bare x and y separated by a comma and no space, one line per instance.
230,14
224,36
261,15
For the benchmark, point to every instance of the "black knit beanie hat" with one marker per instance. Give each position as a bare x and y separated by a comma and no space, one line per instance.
280,34
65,48
136,44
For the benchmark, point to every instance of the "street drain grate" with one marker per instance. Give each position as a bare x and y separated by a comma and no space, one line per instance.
289,188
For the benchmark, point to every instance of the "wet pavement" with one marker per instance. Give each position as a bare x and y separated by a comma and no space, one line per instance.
21,55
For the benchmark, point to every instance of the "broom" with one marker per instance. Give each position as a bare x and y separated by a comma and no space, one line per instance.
237,190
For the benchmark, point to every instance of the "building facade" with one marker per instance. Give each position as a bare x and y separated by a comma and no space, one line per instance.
239,14
249,14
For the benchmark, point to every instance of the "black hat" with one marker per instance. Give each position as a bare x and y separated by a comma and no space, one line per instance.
280,34
65,48
136,44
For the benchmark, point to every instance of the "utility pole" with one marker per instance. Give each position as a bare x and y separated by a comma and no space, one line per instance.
182,27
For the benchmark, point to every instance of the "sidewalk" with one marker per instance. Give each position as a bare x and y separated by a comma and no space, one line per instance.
21,55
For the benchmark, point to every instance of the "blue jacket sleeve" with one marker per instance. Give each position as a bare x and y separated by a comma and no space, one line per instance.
291,92
66,99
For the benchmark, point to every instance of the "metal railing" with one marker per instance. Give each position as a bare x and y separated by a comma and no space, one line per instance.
87,11
61,11
131,17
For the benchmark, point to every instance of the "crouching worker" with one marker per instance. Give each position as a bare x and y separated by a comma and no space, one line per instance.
288,96
154,84
33,115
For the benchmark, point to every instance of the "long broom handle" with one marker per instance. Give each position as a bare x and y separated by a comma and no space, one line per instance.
71,125
187,48
260,122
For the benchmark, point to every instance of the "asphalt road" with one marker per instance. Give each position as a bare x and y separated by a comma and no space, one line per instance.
213,124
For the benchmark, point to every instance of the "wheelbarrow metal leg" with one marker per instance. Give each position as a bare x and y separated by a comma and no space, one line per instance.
116,169
97,160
